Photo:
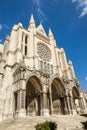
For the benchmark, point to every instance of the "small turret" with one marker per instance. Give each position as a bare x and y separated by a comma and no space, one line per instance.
32,22
72,69
50,35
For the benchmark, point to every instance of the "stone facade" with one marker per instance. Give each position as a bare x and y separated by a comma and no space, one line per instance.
35,77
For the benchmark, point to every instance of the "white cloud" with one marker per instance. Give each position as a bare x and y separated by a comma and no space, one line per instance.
83,5
41,15
1,27
84,12
86,78
5,26
1,40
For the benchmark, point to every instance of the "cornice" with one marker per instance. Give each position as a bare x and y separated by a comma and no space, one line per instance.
14,52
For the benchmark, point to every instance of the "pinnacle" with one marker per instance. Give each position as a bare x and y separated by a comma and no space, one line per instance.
32,22
32,19
50,33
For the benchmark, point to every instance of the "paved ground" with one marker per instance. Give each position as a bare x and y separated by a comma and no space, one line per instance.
66,122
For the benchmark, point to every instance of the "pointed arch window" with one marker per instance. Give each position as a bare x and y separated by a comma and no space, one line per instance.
25,50
26,37
26,41
44,65
41,64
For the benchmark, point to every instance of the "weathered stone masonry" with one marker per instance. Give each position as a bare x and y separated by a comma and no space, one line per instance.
35,77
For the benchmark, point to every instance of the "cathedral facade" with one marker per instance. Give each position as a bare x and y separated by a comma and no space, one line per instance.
35,77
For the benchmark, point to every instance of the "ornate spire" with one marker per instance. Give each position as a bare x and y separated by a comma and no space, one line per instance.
41,29
50,33
32,22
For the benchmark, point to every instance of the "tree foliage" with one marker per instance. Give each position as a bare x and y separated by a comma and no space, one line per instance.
84,125
46,126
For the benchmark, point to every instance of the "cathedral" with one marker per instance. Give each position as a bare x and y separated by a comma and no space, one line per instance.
35,77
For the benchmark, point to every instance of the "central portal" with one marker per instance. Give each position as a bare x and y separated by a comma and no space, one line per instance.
33,97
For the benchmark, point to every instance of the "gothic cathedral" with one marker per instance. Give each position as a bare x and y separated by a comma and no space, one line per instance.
35,77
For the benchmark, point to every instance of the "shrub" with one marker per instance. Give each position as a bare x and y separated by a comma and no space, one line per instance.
46,126
84,125
53,125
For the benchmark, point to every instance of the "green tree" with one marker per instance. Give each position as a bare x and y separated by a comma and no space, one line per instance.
46,126
84,125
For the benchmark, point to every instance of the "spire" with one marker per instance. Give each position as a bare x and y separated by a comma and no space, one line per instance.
32,22
32,19
51,37
41,29
50,33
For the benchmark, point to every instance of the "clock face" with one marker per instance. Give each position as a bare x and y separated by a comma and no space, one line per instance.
43,52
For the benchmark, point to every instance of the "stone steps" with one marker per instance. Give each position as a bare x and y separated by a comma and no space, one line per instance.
66,122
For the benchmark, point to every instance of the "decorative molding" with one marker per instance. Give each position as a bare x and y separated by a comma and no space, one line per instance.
14,52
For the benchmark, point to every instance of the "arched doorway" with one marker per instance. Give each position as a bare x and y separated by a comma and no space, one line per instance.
33,97
58,101
76,99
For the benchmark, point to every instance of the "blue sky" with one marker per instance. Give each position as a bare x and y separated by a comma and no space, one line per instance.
68,22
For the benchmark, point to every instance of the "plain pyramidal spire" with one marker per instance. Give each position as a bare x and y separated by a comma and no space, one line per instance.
50,33
32,22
